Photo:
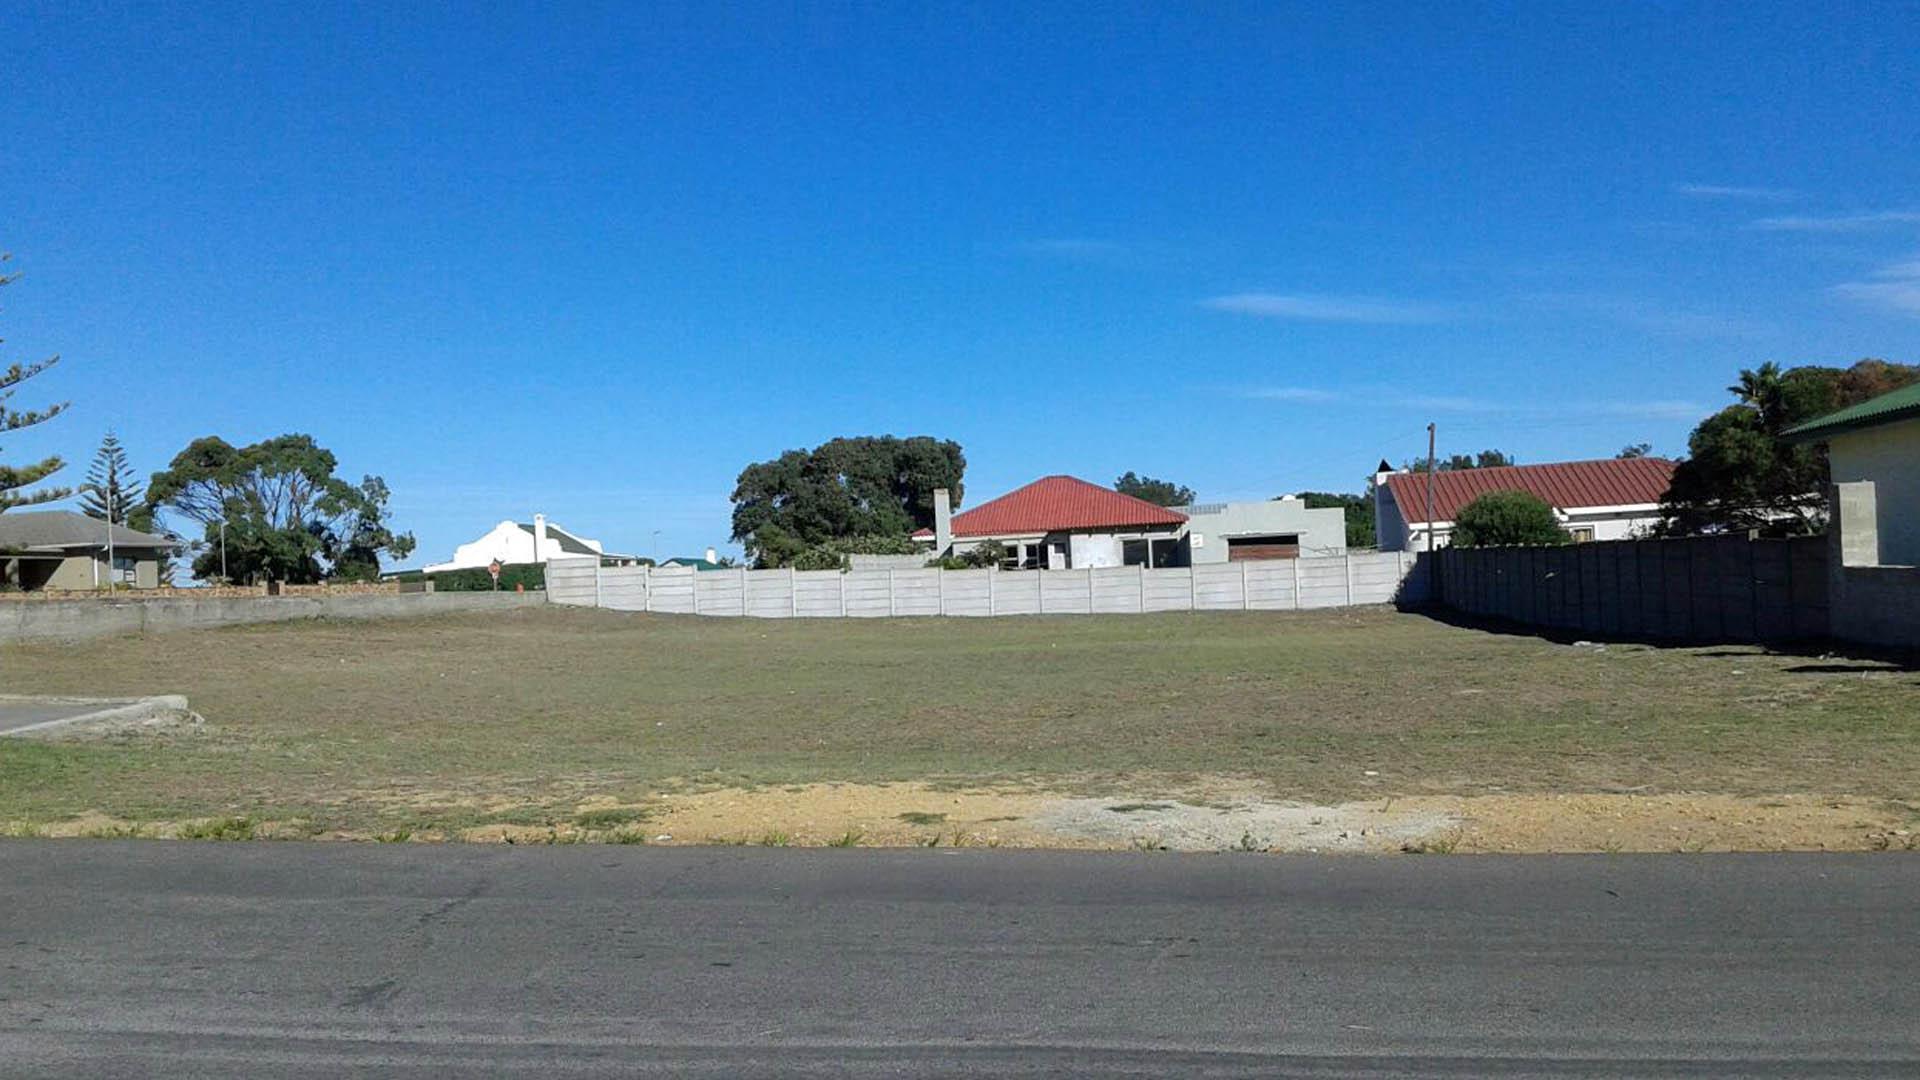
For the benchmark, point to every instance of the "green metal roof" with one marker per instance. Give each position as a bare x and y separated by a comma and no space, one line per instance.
1888,408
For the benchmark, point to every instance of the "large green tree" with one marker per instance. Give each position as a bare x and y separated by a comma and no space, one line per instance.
287,516
1506,519
1357,508
1157,492
1739,474
15,480
869,486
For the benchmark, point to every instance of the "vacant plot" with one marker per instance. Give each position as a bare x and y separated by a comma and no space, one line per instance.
560,723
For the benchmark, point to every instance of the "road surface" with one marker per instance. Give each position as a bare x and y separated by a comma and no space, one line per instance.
270,960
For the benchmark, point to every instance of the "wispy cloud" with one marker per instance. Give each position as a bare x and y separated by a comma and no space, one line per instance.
1290,393
1876,219
1655,409
1895,288
1734,191
1315,307
1388,396
1441,403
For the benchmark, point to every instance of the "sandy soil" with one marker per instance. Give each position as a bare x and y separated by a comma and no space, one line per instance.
1227,816
1215,816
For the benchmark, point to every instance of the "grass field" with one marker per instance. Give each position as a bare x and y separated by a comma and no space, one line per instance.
524,717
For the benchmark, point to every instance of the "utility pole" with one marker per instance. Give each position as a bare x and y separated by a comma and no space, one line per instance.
110,570
1430,442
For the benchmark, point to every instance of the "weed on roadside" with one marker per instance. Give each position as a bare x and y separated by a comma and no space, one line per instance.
625,836
1433,845
776,838
394,836
232,828
922,817
850,838
610,817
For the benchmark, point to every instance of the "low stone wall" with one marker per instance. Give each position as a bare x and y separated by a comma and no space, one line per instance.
208,592
78,619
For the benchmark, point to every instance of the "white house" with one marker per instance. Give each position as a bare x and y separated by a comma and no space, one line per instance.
1610,499
1063,522
515,542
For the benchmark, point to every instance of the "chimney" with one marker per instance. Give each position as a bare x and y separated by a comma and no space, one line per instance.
713,556
942,521
539,538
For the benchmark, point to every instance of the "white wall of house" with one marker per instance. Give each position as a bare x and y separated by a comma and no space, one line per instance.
1888,455
1211,525
510,544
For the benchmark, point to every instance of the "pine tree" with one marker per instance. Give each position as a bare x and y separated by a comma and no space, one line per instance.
112,490
14,480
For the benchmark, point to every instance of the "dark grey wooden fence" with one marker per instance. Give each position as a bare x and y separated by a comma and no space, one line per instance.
1723,588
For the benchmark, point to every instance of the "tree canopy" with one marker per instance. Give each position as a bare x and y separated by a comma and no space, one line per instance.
1506,519
112,490
1740,474
15,480
1485,459
288,518
1359,513
1634,450
869,486
1157,492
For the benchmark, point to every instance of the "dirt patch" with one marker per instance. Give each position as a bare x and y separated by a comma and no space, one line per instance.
1224,816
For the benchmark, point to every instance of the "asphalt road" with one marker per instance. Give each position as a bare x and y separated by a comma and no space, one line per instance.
291,960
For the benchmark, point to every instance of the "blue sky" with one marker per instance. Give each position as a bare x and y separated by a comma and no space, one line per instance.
592,261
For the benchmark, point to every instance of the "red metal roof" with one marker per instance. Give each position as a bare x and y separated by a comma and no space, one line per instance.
1060,503
1568,485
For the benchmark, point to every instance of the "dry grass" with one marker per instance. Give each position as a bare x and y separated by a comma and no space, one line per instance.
553,717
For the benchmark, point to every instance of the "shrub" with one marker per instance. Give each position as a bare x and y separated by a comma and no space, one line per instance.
476,579
1507,519
981,556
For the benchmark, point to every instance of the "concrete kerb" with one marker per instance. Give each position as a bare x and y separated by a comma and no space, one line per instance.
112,712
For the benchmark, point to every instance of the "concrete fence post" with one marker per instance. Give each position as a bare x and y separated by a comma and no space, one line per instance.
646,585
940,588
843,594
694,580
992,573
892,605
1296,584
1244,602
1143,582
1346,564
596,582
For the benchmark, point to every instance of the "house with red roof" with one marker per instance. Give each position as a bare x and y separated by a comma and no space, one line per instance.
1611,499
1063,522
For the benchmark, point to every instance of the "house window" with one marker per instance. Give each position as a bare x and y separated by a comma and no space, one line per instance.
125,569
1135,552
1582,534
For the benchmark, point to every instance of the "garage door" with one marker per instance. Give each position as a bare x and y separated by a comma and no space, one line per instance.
1279,546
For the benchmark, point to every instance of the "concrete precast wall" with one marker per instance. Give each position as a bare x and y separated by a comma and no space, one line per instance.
1276,585
1725,588
73,620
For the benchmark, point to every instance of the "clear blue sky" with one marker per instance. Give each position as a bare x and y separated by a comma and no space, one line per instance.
593,262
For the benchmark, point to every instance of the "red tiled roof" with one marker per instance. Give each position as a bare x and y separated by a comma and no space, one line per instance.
1564,486
922,534
1058,503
